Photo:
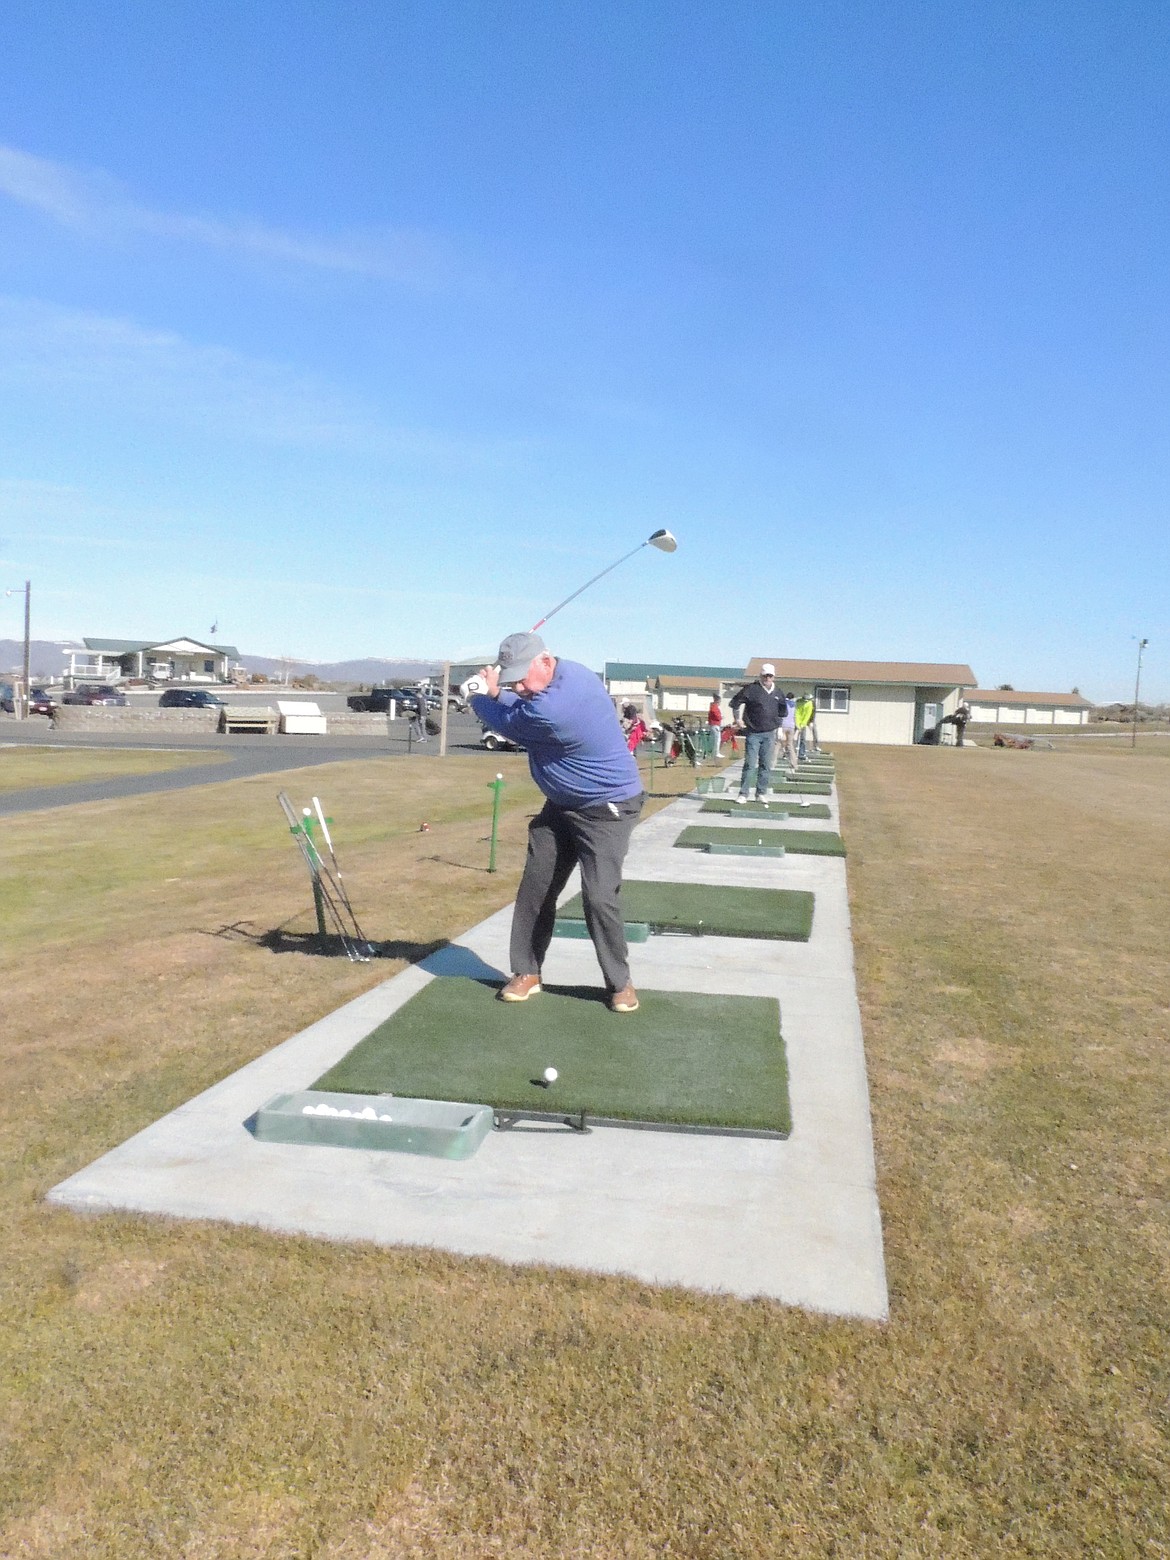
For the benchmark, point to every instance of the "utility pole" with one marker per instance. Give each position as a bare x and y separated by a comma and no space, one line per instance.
443,713
26,691
20,696
1142,643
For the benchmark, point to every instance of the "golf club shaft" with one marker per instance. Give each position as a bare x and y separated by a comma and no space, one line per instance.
341,888
661,539
325,832
607,570
332,891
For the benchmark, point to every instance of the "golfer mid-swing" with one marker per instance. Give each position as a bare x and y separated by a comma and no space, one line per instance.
560,713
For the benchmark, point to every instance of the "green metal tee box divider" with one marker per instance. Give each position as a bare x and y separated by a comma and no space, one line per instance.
714,909
443,1129
636,931
791,807
745,850
802,842
688,1059
780,788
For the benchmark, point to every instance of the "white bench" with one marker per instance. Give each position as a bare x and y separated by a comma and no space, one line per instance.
247,717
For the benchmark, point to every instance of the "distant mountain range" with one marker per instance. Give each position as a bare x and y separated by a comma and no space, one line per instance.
370,670
49,658
46,658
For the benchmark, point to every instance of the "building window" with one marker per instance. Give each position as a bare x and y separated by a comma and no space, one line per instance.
833,701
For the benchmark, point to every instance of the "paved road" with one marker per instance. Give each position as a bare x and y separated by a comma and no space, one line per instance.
241,757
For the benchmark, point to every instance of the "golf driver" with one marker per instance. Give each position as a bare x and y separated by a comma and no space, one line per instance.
662,539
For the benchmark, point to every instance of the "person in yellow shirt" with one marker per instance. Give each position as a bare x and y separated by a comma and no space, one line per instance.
806,730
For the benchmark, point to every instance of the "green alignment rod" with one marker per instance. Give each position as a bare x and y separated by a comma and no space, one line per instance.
495,786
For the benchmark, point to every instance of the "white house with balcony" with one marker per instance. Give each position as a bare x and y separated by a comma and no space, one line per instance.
168,660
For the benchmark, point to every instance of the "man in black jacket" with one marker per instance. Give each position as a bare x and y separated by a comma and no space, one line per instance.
762,711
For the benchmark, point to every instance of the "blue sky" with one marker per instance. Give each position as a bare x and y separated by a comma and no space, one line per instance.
376,328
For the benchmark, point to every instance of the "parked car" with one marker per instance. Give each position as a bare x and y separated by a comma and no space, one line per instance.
377,701
494,742
39,702
188,699
93,693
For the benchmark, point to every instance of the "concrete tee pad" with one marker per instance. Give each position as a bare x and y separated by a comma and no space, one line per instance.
795,1221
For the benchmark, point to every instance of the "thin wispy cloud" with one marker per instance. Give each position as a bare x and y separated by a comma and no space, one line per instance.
56,514
118,366
120,369
94,203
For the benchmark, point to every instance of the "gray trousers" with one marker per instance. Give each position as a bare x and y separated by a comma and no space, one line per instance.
558,840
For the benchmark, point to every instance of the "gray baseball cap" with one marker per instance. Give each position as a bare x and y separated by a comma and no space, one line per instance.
516,655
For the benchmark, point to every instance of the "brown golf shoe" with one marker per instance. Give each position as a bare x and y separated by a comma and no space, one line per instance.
520,988
623,1001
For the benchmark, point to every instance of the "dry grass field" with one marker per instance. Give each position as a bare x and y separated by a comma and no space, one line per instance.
31,766
197,1391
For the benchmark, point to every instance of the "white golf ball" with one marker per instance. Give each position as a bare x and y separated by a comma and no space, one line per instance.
550,1075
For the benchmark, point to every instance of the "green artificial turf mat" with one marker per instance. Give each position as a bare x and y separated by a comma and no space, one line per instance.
778,809
714,910
683,1058
797,842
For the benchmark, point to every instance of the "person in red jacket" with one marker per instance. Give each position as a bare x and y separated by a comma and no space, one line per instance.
714,727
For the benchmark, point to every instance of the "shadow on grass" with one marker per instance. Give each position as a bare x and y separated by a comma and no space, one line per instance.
280,940
467,866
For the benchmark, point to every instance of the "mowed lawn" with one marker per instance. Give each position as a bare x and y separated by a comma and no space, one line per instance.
22,767
177,1389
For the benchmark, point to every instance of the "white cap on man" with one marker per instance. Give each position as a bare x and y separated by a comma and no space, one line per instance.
767,670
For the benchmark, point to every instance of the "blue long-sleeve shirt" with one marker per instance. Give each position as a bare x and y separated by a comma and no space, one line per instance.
576,748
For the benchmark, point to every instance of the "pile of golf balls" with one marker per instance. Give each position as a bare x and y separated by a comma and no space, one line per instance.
323,1109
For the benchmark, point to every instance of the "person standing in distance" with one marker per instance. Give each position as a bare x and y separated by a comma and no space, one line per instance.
560,713
418,721
805,711
760,710
788,731
714,725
